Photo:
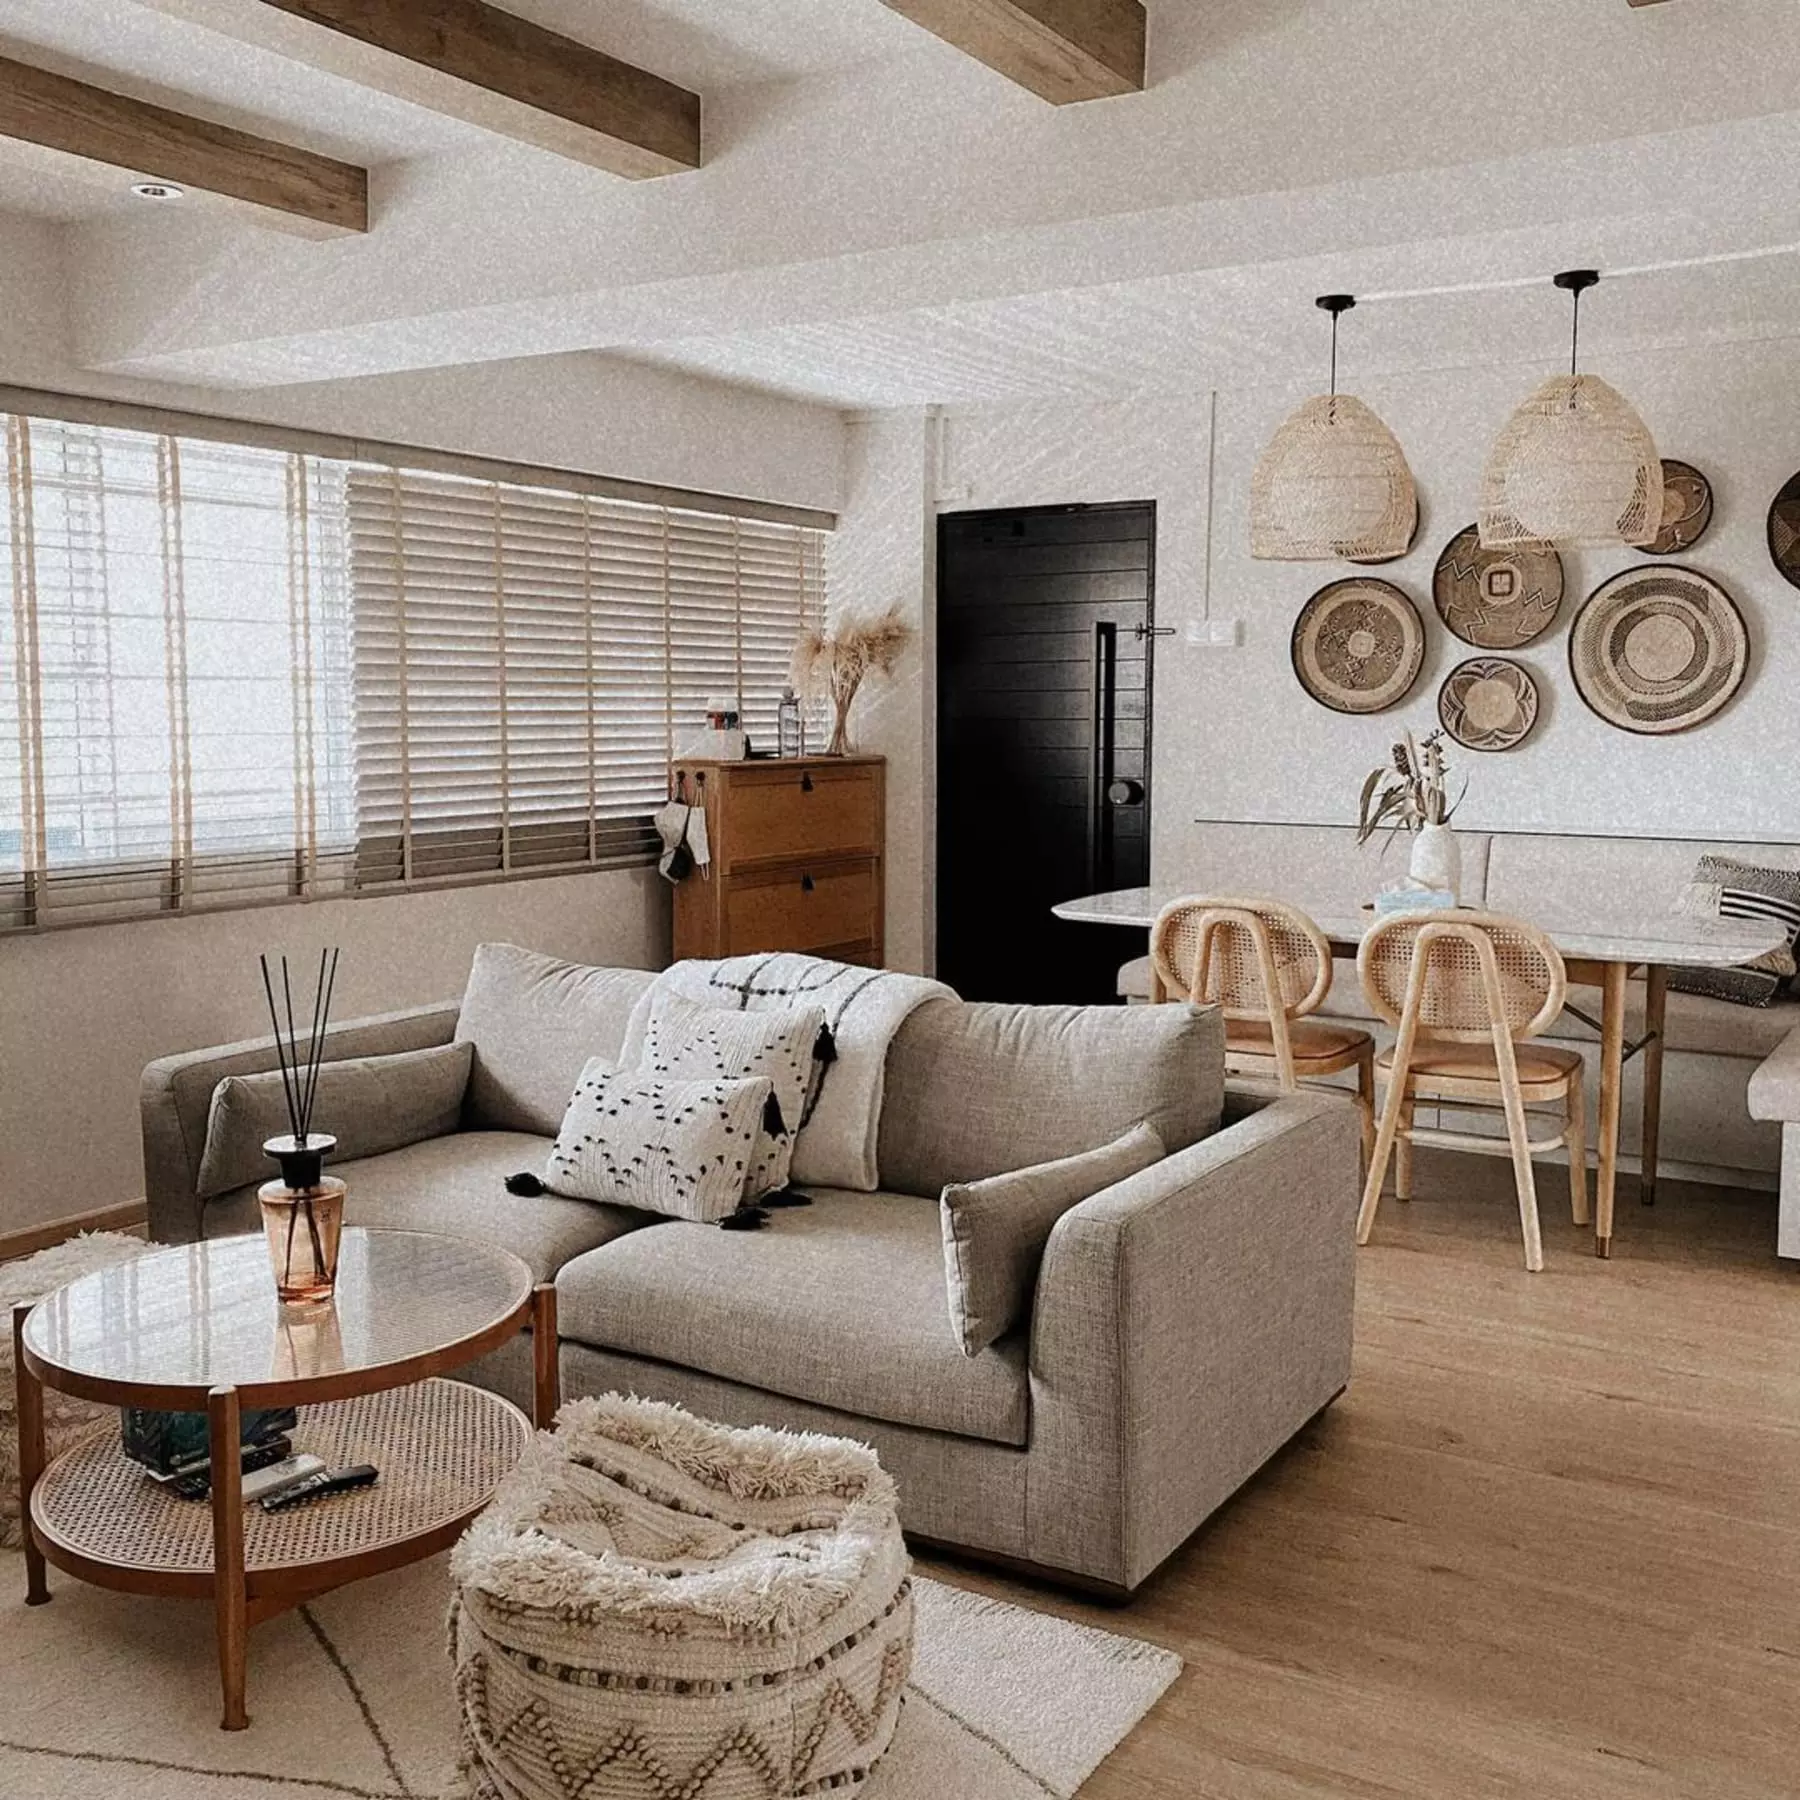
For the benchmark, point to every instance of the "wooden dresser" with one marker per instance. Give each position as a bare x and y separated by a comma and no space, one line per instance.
796,858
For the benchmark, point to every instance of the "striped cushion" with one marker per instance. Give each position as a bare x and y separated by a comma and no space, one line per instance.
1727,889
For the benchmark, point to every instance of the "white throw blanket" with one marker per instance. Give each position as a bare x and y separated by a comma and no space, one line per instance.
836,1143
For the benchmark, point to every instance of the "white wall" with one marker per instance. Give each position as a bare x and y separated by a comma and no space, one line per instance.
1235,735
883,555
82,1011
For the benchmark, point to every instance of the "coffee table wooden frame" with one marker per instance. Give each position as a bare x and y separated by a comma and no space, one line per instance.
242,1599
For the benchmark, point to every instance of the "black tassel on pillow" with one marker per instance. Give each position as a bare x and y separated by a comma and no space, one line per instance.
824,1046
526,1184
773,1123
746,1218
787,1196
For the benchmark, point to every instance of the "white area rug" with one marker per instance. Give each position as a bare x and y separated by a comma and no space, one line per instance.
114,1695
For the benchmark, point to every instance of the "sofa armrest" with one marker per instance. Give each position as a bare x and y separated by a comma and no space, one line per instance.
1775,1084
1188,1321
175,1093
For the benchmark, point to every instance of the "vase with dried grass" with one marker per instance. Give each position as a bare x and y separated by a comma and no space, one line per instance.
302,1211
832,665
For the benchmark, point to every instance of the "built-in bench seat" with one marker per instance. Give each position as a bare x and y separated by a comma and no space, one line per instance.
1713,1048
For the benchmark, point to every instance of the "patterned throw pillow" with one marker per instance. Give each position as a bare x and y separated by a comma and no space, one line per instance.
690,1042
681,1148
1725,889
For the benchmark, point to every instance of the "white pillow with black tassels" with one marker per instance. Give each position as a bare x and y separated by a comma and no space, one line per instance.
689,1041
680,1148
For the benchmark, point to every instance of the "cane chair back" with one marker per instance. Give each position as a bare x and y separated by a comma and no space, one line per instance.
1254,959
1466,972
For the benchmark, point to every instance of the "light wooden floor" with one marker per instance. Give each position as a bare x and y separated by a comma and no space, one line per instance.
1547,1545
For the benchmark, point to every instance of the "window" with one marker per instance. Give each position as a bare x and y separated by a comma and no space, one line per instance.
176,688
233,675
528,661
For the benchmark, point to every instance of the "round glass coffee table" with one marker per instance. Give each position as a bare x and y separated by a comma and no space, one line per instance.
198,1329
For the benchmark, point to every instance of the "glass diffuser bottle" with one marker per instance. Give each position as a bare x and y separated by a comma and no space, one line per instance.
303,1218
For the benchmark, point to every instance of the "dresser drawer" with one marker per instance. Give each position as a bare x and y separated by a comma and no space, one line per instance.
773,814
836,907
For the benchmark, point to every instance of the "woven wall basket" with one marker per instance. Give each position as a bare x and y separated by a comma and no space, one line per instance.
1574,465
1332,483
655,1605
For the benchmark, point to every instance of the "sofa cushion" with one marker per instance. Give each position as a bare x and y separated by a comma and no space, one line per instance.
976,1088
535,1021
995,1231
458,1185
840,1303
370,1104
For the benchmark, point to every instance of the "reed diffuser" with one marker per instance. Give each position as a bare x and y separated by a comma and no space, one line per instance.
302,1211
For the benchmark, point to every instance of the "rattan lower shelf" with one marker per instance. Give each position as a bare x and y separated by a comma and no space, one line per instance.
441,1447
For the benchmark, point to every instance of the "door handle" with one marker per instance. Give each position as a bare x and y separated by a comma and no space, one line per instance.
1106,661
806,782
806,884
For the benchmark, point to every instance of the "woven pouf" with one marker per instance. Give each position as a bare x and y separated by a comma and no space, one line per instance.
654,1606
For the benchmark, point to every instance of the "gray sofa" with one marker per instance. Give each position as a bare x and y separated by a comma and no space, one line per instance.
1186,1322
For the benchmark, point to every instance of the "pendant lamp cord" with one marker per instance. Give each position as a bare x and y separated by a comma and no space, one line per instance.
1334,329
1575,333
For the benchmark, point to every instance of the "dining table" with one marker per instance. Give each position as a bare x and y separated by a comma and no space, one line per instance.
1602,950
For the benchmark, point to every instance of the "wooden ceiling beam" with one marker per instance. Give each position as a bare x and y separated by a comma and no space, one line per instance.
290,187
1063,50
485,66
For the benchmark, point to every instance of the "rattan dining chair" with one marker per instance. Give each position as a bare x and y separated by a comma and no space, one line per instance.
1468,993
1267,966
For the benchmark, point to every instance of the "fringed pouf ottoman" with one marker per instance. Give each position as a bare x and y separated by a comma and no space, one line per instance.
657,1606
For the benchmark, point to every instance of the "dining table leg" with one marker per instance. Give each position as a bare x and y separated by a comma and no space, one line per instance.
1612,1082
1656,996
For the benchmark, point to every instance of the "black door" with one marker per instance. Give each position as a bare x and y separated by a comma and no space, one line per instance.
1044,662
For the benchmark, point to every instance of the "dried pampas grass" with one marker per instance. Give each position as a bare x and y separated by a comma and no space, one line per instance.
832,665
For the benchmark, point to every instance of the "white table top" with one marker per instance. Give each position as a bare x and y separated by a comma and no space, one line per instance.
1664,938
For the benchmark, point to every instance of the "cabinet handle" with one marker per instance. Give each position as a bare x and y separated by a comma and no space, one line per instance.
806,785
806,884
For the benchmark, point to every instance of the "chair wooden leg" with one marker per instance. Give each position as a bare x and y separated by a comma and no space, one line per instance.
1365,1104
1384,1148
1576,1139
1520,1139
1403,1150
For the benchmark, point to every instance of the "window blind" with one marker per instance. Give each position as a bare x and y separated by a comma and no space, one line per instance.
526,663
174,675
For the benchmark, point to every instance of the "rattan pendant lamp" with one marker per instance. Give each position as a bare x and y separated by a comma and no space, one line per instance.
1333,481
1575,464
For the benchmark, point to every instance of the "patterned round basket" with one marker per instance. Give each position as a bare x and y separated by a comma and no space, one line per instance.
656,1605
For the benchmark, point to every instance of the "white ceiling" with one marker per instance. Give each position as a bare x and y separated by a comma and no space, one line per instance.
883,222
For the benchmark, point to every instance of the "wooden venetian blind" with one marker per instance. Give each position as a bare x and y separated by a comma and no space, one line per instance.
526,661
174,675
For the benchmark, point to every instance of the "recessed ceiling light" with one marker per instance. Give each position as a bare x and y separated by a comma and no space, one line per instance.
158,190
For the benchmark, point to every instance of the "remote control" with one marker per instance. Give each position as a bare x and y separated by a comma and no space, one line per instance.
196,1484
281,1475
317,1487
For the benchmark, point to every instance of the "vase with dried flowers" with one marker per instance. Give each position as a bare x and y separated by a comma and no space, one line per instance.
832,665
303,1211
1410,793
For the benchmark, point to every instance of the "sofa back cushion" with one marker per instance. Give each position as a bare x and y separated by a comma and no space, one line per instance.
975,1088
535,1021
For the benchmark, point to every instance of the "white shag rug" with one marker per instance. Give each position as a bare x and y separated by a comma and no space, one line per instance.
112,1694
